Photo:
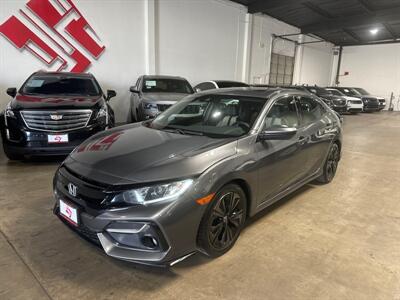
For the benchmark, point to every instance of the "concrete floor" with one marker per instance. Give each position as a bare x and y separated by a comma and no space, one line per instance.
339,241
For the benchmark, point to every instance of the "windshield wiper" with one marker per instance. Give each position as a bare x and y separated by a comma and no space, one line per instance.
182,131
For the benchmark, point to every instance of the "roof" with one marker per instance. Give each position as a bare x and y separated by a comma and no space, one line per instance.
342,22
249,92
69,74
163,77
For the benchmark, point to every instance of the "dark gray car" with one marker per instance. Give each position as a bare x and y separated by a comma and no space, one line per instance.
153,94
158,191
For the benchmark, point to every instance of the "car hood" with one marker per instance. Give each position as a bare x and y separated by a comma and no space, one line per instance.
351,98
163,97
54,102
332,97
135,153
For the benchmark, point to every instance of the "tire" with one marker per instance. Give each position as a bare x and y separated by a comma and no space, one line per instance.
331,164
10,155
223,221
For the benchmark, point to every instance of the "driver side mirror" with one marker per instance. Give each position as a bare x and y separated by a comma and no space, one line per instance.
278,133
110,94
11,92
133,89
197,90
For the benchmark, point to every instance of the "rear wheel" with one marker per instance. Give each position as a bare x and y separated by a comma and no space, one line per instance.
223,221
331,164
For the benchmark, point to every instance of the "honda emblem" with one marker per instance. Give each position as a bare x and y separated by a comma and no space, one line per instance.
72,189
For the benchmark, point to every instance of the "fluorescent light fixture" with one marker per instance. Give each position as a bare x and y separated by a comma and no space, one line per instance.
374,31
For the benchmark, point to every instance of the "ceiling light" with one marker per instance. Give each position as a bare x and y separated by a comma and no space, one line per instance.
374,31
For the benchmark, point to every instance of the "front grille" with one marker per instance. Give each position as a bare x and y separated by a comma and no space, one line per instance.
90,195
56,121
355,102
162,107
339,102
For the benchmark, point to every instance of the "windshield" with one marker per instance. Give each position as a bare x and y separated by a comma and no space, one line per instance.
336,92
61,85
362,91
157,85
349,92
229,84
318,91
216,116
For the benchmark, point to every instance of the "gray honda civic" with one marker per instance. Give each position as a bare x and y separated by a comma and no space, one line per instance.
158,191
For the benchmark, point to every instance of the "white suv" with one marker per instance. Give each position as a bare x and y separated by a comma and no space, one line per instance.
354,105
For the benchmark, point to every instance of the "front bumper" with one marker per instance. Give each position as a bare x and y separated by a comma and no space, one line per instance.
126,233
339,108
24,141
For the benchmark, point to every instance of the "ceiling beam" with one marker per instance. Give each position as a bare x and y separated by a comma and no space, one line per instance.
381,16
390,30
352,34
265,5
366,6
311,6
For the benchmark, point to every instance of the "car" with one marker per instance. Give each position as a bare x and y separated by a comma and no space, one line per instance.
354,104
370,103
153,94
338,104
52,113
382,101
218,84
186,181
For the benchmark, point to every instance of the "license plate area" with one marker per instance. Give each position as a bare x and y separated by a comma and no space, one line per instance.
57,138
69,212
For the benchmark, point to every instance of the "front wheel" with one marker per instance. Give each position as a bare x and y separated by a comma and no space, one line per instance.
223,221
331,164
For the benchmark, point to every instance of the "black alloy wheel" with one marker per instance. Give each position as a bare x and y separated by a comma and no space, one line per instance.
223,221
331,164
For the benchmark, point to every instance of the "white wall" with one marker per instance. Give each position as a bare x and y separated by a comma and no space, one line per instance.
375,68
316,63
197,39
313,62
201,39
261,40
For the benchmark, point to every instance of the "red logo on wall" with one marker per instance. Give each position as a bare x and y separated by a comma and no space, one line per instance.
62,34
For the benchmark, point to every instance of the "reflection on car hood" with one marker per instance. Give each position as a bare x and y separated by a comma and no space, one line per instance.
158,97
54,102
135,153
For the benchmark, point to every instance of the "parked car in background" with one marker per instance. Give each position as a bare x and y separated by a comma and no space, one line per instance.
370,103
186,182
382,101
218,84
52,113
153,94
338,104
354,104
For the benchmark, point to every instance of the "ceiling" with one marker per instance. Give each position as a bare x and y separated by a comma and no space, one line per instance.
342,22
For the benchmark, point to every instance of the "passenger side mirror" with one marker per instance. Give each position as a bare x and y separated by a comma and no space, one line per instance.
133,89
278,133
12,92
110,94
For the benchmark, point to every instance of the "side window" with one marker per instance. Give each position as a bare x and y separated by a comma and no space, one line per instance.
311,110
283,114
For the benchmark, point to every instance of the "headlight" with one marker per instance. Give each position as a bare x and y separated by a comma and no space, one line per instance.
155,193
8,111
147,105
103,111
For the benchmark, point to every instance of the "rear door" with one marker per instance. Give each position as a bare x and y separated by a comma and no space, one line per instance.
315,132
